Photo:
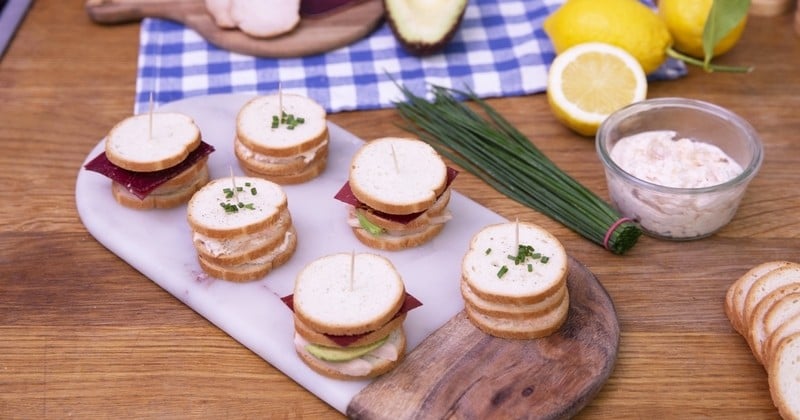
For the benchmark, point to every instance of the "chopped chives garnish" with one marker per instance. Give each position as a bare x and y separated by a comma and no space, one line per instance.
488,251
530,267
503,270
253,191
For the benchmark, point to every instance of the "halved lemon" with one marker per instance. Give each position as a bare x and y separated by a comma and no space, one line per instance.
589,81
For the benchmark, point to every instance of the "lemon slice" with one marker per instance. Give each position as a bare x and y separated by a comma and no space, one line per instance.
589,81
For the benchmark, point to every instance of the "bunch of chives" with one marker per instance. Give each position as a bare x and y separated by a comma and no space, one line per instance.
492,149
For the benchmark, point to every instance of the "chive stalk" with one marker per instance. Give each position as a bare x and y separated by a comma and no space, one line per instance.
488,146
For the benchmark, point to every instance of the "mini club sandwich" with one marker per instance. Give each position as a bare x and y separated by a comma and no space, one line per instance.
241,228
349,310
514,281
282,138
398,191
154,160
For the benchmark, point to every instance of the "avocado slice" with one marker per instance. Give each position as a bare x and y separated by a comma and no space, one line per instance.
424,26
335,354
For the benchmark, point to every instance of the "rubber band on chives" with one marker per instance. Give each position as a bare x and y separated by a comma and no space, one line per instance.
612,229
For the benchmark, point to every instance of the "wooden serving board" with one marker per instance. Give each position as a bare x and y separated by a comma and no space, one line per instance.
458,371
313,35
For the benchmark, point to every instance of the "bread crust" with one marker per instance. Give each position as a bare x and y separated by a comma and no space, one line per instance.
313,170
521,329
397,243
315,337
293,148
386,365
765,284
367,197
197,224
288,166
119,158
756,331
250,272
171,194
789,327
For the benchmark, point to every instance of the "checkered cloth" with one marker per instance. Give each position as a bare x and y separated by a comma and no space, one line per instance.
499,50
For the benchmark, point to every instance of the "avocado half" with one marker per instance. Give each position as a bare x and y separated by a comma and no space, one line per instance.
424,26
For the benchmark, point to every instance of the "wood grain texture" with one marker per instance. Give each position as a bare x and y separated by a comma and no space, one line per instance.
458,371
312,35
84,335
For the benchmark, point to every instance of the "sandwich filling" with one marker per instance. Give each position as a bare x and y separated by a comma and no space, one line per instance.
357,361
243,243
307,156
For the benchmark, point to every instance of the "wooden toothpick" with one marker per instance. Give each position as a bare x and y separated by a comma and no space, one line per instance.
280,101
352,267
394,158
150,118
516,233
233,182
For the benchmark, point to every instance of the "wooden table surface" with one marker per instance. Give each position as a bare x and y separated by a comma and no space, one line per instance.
83,334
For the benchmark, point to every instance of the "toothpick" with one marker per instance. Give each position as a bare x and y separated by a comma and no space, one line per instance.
280,101
150,118
516,233
352,267
233,181
394,158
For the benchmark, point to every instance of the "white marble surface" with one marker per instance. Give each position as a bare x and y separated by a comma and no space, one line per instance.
158,244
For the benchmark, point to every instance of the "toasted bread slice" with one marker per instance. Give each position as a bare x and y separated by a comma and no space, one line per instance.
388,242
737,292
436,214
315,337
239,249
257,268
757,332
312,170
376,363
172,193
494,277
207,216
784,377
787,328
787,274
780,314
281,166
140,144
521,328
397,175
347,294
254,125
511,310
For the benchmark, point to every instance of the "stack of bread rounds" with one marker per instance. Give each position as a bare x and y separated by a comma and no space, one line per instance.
514,281
282,138
398,190
241,228
763,305
349,310
155,160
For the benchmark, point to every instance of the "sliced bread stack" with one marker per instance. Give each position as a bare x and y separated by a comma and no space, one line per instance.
241,228
514,281
763,305
282,138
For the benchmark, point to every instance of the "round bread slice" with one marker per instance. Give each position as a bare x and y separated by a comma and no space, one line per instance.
493,276
315,337
782,312
397,175
376,367
209,211
787,328
784,377
347,294
436,213
521,328
737,292
239,249
389,242
756,331
254,269
254,125
140,144
510,310
787,274
172,193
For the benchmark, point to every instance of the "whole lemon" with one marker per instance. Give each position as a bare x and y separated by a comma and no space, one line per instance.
628,24
686,19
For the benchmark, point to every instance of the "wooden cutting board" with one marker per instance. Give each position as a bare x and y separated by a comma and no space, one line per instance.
460,372
317,34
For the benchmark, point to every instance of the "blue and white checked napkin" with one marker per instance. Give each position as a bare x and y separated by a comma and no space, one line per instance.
500,49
